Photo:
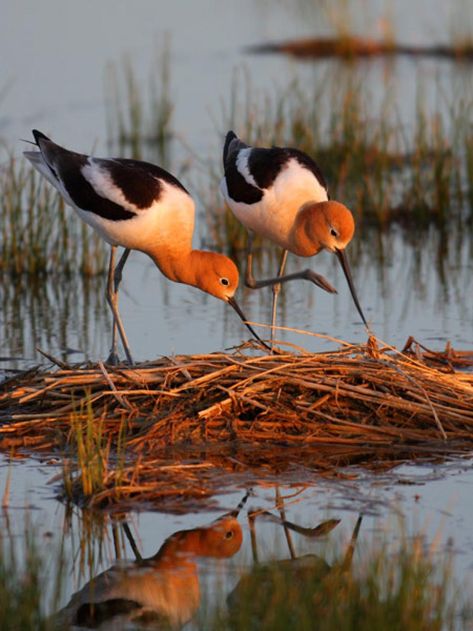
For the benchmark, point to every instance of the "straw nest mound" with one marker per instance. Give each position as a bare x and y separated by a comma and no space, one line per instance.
175,431
358,395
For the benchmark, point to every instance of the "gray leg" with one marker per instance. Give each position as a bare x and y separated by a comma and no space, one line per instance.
346,563
131,541
287,532
276,289
117,279
254,547
113,282
249,278
113,356
306,274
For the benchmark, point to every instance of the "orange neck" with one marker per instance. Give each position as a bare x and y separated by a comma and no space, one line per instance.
309,222
181,547
180,267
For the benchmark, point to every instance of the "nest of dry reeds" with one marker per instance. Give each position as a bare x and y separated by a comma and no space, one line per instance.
188,421
359,394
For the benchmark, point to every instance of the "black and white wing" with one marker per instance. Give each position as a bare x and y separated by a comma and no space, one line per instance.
249,171
115,189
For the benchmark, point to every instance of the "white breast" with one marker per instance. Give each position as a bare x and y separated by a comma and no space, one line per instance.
273,217
166,222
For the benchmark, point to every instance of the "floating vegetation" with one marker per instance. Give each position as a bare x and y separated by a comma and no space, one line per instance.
38,234
351,47
344,21
359,397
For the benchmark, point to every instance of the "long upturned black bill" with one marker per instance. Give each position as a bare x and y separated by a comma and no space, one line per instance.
342,257
236,511
234,304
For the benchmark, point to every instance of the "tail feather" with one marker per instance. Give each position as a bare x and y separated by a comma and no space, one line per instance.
37,160
228,139
232,144
38,135
34,157
44,159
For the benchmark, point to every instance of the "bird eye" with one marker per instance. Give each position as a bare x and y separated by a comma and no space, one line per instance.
224,281
334,233
229,534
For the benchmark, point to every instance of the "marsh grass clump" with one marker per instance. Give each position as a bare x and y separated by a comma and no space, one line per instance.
38,234
85,473
24,574
139,122
410,589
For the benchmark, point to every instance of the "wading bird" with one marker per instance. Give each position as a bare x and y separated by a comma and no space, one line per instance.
159,592
139,206
281,194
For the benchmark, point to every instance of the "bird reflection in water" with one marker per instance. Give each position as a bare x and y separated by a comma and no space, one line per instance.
161,591
290,581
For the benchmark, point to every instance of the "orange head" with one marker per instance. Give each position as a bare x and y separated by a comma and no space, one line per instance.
326,225
322,225
333,225
216,274
222,538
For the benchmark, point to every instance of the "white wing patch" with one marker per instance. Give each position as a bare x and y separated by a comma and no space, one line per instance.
101,181
295,185
242,166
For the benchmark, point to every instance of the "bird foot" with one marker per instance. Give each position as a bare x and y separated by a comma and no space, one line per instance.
321,282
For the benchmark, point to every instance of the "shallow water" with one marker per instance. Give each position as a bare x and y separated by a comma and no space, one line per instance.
407,295
398,283
55,81
427,501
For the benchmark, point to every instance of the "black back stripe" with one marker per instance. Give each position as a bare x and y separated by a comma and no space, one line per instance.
141,183
138,179
228,139
81,191
93,614
231,147
238,188
266,164
138,186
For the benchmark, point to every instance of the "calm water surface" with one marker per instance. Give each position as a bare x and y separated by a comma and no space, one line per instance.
54,80
430,501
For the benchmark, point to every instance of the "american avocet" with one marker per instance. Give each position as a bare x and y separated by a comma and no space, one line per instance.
281,194
139,206
162,590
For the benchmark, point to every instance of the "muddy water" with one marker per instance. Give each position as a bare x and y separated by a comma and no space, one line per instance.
56,66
